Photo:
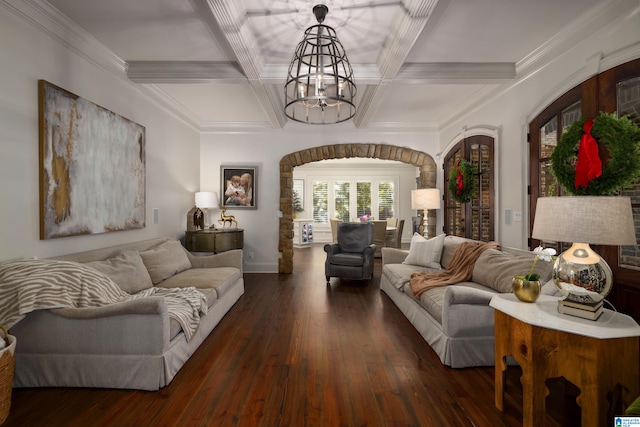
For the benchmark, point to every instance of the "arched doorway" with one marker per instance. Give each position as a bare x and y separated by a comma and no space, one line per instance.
421,160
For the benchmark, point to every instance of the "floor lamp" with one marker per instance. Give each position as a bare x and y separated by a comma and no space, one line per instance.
423,199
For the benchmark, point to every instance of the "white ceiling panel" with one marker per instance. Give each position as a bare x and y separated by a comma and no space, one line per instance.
217,102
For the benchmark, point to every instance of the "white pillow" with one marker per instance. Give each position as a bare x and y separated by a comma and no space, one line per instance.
425,253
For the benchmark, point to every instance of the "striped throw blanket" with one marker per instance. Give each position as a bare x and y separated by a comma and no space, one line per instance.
29,285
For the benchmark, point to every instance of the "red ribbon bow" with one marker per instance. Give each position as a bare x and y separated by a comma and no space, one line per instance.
459,179
589,165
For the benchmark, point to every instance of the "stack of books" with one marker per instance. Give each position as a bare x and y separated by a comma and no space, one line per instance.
584,310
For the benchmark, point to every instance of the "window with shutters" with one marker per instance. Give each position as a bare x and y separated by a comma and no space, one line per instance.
320,201
347,198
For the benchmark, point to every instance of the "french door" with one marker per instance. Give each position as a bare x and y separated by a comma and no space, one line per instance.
474,219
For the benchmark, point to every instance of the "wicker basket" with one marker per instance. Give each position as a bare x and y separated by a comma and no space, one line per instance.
7,360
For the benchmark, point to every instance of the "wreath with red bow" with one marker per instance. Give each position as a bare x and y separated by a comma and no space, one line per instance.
579,166
462,183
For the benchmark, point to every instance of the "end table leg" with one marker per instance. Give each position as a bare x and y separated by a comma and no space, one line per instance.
500,381
534,392
501,343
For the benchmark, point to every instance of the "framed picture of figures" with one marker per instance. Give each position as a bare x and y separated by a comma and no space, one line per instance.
92,167
239,187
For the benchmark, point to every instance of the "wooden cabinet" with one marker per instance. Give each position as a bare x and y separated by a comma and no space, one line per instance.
302,232
215,241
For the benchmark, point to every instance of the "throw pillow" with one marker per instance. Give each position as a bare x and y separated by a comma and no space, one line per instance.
165,260
127,270
425,253
495,269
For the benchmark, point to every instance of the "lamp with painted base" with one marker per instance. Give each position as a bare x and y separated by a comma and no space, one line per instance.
423,199
205,200
581,275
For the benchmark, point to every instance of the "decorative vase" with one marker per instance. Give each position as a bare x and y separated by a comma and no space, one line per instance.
525,290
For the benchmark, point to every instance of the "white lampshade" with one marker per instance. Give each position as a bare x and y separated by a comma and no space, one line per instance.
425,198
206,199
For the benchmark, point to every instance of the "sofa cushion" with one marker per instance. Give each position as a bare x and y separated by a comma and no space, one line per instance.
399,274
127,270
432,300
425,253
219,280
449,247
496,269
165,260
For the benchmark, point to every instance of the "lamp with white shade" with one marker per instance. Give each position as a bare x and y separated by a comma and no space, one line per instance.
579,272
205,200
423,199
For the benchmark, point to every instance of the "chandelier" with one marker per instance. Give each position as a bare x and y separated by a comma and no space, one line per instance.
320,88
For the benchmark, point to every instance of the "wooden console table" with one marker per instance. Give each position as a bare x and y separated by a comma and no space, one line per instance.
594,355
216,241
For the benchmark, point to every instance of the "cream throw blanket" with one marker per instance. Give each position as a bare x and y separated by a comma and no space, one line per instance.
29,285
460,268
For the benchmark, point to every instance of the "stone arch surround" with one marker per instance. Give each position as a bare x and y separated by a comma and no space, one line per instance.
423,161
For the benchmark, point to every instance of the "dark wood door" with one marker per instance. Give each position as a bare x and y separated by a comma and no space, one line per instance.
474,219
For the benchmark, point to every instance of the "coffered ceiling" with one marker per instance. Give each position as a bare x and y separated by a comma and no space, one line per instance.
417,63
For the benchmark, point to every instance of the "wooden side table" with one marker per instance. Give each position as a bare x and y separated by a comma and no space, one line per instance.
216,241
594,355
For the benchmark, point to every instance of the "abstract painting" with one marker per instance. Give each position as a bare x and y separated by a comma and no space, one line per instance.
92,167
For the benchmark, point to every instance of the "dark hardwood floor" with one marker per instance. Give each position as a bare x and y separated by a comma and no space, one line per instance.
295,352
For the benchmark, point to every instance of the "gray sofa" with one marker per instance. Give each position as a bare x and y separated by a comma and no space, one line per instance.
132,344
456,320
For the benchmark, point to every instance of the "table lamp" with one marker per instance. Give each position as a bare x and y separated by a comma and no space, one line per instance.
205,200
580,274
422,199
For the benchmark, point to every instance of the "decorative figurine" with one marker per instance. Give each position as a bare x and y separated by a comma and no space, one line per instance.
198,219
226,218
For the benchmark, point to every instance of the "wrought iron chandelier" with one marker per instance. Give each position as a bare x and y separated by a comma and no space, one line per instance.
320,88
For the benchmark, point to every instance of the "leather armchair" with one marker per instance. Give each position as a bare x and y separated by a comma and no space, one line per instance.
352,256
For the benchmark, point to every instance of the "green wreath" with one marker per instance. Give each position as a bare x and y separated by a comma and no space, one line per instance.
464,188
620,136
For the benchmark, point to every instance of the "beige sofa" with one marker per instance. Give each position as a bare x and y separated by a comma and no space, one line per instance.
132,344
456,320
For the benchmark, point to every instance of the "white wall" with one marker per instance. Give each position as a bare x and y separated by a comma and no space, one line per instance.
266,149
28,54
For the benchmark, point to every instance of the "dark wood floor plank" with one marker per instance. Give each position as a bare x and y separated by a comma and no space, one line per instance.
296,352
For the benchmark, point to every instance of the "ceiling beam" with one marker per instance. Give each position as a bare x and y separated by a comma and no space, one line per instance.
365,74
231,18
404,33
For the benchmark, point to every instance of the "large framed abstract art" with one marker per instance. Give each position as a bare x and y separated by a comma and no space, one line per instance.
92,167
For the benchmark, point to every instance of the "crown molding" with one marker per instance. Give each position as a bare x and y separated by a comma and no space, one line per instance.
52,22
456,72
170,105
